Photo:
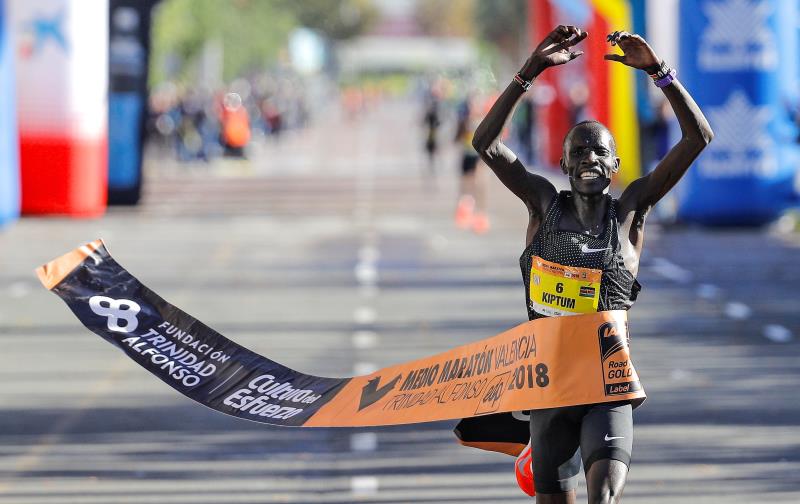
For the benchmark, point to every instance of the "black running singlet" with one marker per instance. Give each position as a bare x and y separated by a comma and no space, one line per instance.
574,272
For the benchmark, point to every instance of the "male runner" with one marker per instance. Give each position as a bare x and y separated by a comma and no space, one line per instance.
584,228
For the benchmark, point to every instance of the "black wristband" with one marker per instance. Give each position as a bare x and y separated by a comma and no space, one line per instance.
658,72
652,69
526,84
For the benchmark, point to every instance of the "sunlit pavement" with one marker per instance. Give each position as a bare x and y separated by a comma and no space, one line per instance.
334,254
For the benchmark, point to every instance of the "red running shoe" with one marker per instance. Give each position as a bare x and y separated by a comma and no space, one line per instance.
524,469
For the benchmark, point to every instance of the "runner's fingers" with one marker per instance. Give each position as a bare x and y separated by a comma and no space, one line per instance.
615,57
618,36
559,34
626,39
572,40
580,35
636,40
577,33
560,31
622,37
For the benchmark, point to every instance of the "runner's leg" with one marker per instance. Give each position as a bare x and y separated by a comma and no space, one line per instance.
606,445
605,481
555,435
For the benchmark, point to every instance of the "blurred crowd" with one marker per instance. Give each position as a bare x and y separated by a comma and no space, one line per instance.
200,124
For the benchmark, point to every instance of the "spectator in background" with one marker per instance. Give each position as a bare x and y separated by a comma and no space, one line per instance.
524,121
431,122
235,125
272,117
471,205
579,102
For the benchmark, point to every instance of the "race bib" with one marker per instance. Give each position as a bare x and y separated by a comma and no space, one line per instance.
557,290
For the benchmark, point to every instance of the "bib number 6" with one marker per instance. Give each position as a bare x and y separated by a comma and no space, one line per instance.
116,310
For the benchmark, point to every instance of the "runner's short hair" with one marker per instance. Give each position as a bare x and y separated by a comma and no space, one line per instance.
589,122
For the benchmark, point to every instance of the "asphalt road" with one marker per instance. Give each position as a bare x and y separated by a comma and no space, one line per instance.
333,254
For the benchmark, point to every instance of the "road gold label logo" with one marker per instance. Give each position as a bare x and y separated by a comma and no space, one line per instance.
619,376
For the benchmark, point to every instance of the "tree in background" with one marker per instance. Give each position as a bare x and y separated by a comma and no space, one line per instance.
503,24
445,18
336,19
500,25
251,34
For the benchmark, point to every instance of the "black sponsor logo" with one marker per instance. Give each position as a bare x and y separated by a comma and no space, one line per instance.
612,339
490,401
371,394
619,376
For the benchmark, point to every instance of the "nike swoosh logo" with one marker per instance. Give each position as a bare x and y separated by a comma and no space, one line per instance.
586,250
614,437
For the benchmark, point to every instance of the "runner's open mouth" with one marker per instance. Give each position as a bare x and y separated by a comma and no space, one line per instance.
590,174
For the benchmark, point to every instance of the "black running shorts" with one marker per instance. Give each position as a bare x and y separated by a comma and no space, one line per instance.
563,437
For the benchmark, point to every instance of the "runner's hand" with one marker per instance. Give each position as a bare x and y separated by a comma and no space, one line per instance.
637,52
554,50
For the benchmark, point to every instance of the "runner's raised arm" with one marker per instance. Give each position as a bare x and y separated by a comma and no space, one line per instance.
534,190
642,194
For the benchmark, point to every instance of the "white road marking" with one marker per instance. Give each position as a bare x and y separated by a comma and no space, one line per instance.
787,223
19,289
364,368
364,485
671,271
680,375
777,333
364,315
366,274
708,291
364,442
365,339
738,311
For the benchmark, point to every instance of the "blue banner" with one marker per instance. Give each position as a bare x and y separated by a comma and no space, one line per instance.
128,61
739,61
125,116
9,156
